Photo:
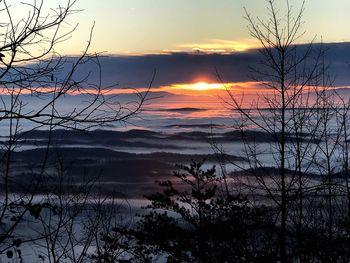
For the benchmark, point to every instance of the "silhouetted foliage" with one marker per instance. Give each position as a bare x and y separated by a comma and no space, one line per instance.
193,220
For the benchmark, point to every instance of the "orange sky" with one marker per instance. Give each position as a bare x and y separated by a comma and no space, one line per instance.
154,26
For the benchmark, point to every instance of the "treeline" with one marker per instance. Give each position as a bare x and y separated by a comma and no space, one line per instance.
195,219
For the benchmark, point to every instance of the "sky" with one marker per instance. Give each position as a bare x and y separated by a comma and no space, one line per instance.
134,37
153,26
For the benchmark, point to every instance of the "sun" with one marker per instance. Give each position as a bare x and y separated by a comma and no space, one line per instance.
199,86
204,86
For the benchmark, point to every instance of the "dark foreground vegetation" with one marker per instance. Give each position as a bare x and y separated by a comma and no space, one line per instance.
195,215
205,221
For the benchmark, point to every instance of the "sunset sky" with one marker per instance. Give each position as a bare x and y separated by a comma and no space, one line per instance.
185,40
152,26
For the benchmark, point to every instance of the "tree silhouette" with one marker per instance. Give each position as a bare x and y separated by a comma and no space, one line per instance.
193,220
35,81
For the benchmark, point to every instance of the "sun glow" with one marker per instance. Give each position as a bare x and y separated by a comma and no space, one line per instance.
221,46
203,86
200,86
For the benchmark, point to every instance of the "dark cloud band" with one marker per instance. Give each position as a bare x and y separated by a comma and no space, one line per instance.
136,71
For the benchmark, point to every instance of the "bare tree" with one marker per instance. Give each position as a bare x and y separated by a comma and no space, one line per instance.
34,83
343,120
290,72
72,219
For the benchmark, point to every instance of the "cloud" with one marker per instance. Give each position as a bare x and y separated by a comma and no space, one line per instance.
221,46
174,68
135,71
